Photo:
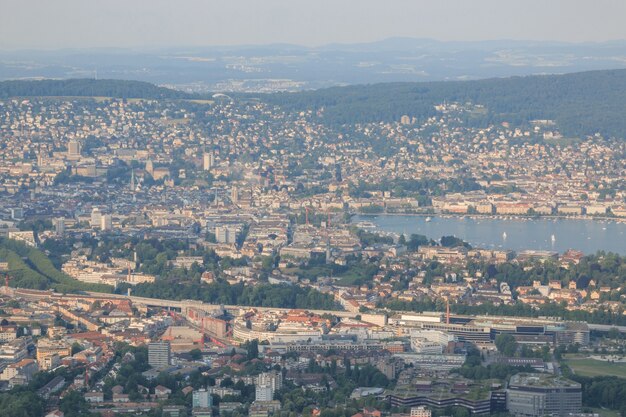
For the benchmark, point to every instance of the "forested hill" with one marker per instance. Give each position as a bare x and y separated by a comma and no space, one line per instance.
582,103
87,88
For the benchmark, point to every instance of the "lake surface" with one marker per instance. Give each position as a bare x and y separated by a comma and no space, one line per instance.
588,236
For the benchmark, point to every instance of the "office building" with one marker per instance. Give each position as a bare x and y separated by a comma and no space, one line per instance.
535,395
159,354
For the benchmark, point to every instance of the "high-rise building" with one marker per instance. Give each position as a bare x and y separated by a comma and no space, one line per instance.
106,222
234,194
273,379
267,384
96,217
73,149
159,354
535,395
59,226
208,161
201,399
133,184
226,234
264,393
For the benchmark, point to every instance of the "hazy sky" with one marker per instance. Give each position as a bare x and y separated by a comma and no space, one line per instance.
52,24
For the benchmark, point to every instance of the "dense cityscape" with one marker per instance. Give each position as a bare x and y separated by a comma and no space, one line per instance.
192,257
369,229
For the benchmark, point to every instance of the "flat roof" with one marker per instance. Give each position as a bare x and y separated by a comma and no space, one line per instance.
541,380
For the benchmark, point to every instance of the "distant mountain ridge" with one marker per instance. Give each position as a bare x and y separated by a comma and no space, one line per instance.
582,103
255,68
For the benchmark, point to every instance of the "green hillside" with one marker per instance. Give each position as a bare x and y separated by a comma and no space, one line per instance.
31,268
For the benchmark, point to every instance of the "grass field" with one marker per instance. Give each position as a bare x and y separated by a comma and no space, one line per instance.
592,367
604,412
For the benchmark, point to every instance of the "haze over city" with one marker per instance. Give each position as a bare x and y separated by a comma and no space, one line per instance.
66,24
312,209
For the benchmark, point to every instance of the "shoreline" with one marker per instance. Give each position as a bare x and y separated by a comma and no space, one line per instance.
496,216
480,230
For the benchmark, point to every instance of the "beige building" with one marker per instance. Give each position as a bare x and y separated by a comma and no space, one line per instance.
420,411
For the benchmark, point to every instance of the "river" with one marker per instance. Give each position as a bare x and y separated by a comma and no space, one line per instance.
588,236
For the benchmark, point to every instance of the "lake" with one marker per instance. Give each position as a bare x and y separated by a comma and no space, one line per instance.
588,236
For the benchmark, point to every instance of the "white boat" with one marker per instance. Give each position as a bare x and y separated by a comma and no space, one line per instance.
366,225
504,235
427,219
553,238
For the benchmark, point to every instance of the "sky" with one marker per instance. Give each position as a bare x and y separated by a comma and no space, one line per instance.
55,24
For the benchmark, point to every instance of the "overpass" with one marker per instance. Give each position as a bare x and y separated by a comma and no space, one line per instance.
185,304
182,305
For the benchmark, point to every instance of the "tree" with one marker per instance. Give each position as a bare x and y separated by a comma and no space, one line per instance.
506,344
252,348
613,333
74,405
76,347
195,354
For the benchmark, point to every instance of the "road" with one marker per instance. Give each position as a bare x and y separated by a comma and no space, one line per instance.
182,305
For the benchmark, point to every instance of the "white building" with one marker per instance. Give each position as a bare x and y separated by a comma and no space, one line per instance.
273,379
264,393
226,234
202,399
420,411
106,222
